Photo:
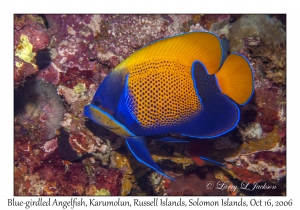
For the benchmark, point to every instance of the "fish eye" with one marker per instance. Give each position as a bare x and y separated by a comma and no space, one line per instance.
96,102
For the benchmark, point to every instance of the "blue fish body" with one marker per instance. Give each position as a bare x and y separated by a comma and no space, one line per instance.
182,85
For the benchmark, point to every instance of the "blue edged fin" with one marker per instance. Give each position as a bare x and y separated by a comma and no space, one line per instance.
137,146
219,114
171,139
212,161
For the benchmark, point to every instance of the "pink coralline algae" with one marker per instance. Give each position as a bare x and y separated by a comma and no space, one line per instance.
40,170
33,26
108,179
73,76
59,62
71,36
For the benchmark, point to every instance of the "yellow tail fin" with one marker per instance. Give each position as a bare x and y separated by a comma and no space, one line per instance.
235,78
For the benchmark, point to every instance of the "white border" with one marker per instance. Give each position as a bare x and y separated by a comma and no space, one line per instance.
8,8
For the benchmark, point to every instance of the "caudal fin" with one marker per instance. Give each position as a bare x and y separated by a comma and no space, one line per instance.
235,78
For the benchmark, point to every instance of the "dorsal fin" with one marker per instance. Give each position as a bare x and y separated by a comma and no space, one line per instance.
185,49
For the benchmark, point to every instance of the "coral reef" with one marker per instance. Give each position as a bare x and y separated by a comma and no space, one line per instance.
194,183
121,162
30,36
59,62
263,27
105,181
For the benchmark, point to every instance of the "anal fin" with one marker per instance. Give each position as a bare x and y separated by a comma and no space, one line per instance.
137,146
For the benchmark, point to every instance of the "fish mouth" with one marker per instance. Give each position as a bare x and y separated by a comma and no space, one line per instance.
102,118
88,113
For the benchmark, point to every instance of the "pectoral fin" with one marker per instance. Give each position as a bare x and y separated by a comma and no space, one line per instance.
137,146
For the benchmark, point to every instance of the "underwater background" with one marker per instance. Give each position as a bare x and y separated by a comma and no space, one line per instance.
59,62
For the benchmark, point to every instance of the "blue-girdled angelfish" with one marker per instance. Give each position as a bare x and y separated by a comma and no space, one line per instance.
183,85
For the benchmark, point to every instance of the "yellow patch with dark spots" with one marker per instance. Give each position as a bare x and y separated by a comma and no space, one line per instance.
163,93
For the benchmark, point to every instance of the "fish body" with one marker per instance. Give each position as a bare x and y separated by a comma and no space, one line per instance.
182,85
